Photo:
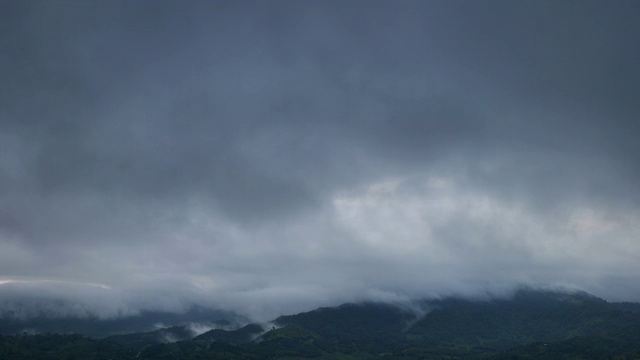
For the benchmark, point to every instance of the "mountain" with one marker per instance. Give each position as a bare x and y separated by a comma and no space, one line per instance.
529,316
139,341
99,328
243,335
531,325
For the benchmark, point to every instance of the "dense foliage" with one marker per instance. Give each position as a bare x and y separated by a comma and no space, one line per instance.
532,325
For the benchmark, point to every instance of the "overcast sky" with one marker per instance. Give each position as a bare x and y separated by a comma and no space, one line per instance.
269,157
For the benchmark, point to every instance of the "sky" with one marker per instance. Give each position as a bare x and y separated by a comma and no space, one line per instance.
269,157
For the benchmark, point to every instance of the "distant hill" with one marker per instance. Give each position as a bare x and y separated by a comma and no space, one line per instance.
141,340
531,325
529,316
243,335
99,328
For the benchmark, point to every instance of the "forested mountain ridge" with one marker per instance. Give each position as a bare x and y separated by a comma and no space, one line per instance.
532,324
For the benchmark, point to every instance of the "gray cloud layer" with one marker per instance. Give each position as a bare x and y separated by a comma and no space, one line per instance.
269,157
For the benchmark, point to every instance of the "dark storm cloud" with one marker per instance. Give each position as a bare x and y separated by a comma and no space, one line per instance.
250,152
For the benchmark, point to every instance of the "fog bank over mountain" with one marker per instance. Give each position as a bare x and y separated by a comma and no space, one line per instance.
272,157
